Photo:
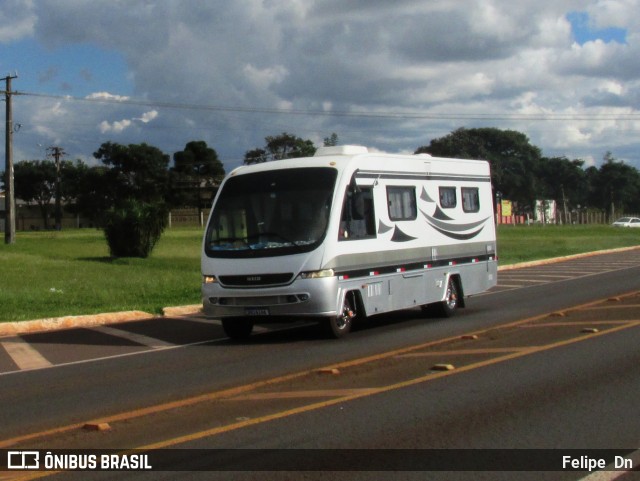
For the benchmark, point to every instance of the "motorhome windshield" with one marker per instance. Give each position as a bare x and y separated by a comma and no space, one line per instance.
269,213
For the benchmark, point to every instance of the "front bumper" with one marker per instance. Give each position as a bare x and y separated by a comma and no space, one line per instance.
302,298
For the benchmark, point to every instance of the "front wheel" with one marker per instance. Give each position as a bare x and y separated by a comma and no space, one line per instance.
340,325
237,329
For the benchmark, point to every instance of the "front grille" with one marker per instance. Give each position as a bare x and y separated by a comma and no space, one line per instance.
259,301
256,280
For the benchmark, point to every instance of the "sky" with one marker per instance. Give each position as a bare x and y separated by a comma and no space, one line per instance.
388,75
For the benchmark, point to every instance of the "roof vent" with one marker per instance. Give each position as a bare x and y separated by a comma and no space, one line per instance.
341,150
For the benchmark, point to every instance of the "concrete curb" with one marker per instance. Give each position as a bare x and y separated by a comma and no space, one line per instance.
68,322
177,311
553,260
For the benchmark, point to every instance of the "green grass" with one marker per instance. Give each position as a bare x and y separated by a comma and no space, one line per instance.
527,243
51,274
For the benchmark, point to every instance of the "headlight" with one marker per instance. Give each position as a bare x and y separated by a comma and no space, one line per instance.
209,279
317,274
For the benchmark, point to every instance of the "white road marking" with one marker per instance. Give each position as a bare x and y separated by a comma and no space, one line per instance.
218,322
151,342
23,354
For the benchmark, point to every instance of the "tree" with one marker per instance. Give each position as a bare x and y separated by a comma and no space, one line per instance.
133,227
331,141
137,171
256,156
72,178
35,181
135,185
615,187
513,159
196,170
283,146
93,194
563,180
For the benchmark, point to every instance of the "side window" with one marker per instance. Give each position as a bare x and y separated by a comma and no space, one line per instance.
358,216
448,199
470,199
402,203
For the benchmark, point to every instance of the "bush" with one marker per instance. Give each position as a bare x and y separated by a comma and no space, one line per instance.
133,227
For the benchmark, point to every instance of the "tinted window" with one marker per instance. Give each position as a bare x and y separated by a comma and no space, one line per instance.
448,199
402,203
470,199
275,212
358,215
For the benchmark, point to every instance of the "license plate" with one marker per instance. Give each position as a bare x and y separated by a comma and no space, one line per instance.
257,312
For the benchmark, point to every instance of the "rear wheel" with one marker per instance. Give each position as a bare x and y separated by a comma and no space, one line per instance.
237,329
447,307
340,325
451,302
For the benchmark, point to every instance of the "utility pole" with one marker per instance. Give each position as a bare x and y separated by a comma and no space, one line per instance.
9,197
564,205
56,153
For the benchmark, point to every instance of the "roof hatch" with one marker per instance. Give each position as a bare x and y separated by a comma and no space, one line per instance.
341,150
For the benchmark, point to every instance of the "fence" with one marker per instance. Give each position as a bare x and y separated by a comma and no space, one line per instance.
188,217
572,218
31,220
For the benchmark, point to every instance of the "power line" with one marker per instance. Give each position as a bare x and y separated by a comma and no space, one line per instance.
344,113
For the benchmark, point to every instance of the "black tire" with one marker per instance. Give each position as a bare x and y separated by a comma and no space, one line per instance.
237,329
340,325
451,302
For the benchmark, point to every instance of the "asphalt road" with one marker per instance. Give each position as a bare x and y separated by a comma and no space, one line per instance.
543,383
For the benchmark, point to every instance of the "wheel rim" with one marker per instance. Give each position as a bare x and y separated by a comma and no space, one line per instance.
344,319
452,295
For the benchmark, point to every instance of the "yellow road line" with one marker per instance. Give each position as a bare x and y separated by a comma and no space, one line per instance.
463,352
347,395
136,413
613,306
392,387
236,391
302,394
578,323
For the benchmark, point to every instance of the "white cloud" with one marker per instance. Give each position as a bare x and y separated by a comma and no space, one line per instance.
266,77
106,96
120,126
115,127
489,59
148,116
17,20
613,13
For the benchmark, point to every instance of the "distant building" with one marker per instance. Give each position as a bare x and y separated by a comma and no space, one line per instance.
546,211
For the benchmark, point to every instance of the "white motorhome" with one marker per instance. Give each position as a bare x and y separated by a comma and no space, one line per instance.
347,234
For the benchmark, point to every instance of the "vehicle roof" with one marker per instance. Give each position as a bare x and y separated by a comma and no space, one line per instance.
343,157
